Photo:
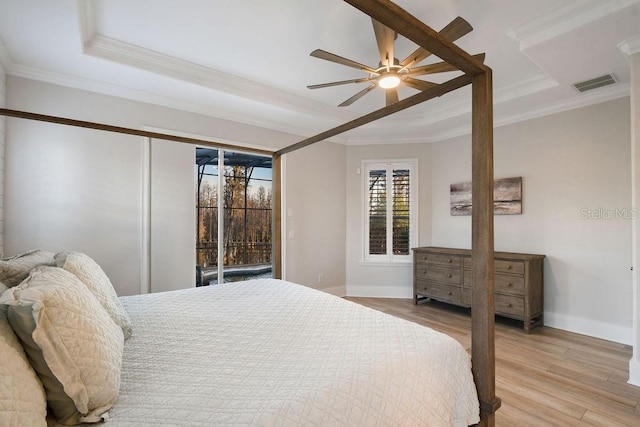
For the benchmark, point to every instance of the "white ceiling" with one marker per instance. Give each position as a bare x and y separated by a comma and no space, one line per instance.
248,60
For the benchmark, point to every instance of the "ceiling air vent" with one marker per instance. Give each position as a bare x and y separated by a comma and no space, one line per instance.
607,79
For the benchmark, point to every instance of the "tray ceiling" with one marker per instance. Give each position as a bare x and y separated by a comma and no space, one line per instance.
249,61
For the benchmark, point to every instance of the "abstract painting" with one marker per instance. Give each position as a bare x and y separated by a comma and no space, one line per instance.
507,197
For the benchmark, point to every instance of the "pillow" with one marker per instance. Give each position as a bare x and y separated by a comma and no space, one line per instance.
90,273
72,342
15,269
22,399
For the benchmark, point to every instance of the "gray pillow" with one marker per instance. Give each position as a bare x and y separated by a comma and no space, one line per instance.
15,269
72,342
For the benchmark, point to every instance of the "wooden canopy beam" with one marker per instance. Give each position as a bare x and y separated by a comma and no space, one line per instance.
482,308
124,130
418,98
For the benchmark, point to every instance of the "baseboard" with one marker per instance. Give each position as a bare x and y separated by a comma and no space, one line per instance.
592,328
634,372
379,291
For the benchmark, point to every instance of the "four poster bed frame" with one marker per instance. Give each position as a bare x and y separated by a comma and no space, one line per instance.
476,74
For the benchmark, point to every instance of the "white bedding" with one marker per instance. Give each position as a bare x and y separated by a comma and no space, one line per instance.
272,353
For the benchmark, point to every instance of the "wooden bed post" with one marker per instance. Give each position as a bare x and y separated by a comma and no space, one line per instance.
483,318
277,216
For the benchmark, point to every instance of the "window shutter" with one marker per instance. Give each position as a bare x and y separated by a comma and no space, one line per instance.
401,211
377,212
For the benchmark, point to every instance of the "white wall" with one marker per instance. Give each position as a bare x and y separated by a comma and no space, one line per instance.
572,164
366,279
172,212
71,188
314,217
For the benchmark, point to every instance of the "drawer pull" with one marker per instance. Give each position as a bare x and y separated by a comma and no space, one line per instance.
509,284
449,260
509,267
449,293
425,288
424,271
509,305
449,276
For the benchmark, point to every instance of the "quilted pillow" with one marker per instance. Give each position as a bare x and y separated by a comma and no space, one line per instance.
72,342
90,273
22,399
15,269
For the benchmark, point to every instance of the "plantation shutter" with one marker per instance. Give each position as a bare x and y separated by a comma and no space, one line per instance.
389,211
377,212
401,205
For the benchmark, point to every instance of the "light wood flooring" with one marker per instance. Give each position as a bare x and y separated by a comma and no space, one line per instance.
548,378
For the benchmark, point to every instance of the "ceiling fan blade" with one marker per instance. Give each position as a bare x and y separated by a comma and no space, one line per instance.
392,96
323,54
452,32
418,84
343,82
385,38
439,67
358,95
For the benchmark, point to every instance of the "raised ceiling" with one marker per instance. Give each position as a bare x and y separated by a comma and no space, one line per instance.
248,61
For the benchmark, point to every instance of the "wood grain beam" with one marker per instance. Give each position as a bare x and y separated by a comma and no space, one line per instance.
401,21
124,130
482,311
418,98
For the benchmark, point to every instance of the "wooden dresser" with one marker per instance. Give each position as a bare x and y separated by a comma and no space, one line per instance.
444,274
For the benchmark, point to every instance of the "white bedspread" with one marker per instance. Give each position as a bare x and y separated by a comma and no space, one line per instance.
272,353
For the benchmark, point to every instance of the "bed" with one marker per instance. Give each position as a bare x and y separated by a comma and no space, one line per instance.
262,352
139,372
272,353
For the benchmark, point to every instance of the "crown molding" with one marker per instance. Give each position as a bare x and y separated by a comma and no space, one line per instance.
86,20
155,99
507,93
583,100
630,46
169,66
100,46
564,19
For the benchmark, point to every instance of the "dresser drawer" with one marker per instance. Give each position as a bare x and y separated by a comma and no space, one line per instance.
438,291
509,305
515,267
443,259
439,273
501,266
503,283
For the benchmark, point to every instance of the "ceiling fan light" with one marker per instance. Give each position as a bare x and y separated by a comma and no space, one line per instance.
389,82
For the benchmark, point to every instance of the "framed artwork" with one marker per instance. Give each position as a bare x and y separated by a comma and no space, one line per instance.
507,197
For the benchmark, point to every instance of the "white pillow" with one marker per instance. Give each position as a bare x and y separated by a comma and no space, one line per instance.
15,269
22,399
72,343
90,273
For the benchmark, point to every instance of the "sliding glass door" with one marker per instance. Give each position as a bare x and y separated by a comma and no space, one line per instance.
233,216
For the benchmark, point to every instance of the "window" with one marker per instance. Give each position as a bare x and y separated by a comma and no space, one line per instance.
234,215
390,210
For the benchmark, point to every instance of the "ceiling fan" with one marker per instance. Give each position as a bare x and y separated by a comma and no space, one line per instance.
390,72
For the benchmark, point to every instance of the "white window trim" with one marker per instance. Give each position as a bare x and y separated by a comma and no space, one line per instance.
389,259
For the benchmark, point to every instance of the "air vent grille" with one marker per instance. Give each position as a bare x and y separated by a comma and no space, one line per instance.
607,79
